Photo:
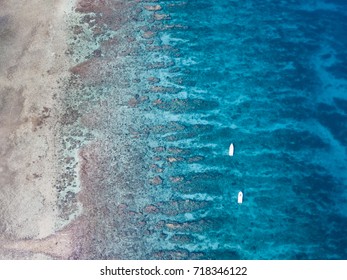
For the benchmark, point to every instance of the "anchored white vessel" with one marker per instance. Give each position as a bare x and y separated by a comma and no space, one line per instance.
240,197
231,149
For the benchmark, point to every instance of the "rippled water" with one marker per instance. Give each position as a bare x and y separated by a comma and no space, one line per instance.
171,85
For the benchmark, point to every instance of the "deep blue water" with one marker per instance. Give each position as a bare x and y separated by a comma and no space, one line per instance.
269,76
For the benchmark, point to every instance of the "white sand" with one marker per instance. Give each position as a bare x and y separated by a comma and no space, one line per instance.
32,60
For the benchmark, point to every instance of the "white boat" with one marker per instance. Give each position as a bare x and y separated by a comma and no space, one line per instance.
240,197
231,149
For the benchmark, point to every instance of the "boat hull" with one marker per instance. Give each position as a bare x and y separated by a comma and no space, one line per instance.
231,149
240,198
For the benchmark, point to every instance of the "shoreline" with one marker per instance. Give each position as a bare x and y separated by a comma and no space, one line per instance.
34,62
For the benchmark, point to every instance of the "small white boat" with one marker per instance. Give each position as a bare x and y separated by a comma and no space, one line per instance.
240,197
231,149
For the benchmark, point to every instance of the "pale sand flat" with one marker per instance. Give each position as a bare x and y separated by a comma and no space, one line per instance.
67,243
32,61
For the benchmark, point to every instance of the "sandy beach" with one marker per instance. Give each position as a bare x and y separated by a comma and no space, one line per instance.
32,65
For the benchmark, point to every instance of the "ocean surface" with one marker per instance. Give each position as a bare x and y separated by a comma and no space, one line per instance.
161,89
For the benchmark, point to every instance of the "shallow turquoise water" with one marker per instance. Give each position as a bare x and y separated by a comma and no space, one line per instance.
268,76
